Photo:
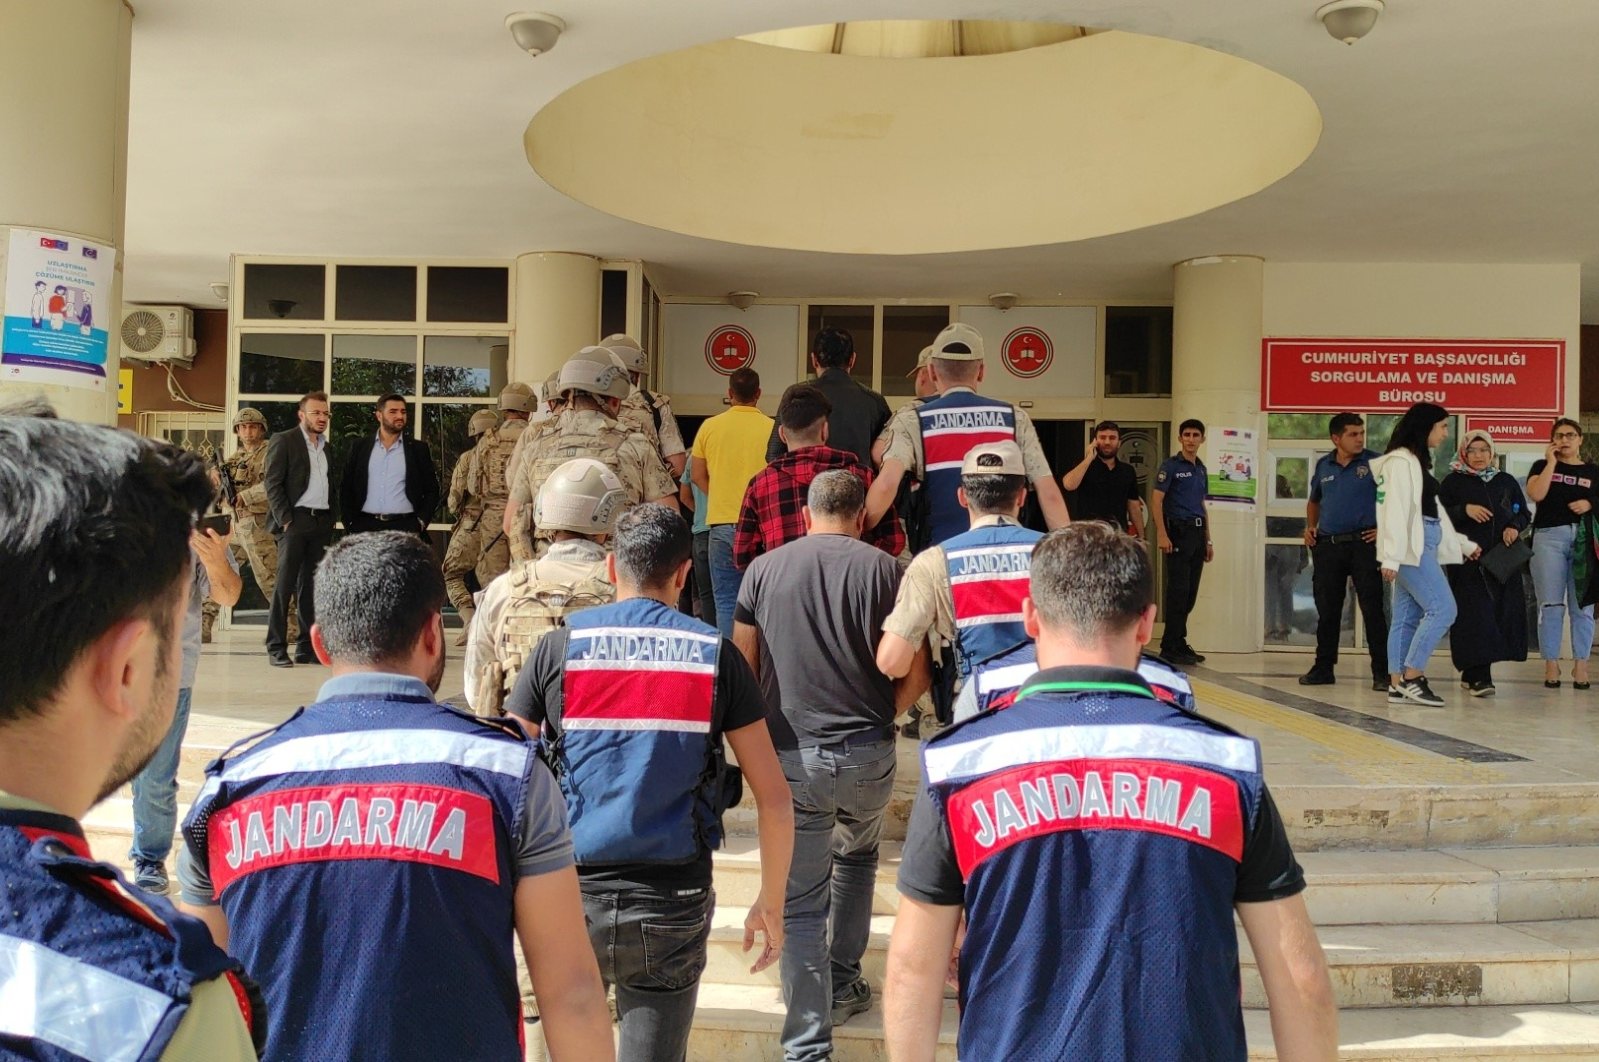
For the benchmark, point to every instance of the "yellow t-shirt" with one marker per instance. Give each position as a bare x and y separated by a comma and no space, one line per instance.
733,447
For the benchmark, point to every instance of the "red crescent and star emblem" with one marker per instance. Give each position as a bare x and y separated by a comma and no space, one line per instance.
1027,352
729,349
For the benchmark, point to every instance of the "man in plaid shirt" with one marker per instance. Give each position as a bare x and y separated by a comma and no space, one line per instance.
771,514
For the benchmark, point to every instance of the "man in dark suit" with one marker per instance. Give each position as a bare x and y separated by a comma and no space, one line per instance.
389,483
300,517
859,413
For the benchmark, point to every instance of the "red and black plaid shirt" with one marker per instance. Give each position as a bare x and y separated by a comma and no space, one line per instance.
771,517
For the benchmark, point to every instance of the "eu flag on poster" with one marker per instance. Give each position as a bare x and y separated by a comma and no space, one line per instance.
57,305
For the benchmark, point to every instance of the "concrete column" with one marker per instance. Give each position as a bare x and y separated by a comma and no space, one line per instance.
64,121
1217,322
557,312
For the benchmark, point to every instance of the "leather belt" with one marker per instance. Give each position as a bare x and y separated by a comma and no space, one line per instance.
389,517
1347,536
313,512
1185,521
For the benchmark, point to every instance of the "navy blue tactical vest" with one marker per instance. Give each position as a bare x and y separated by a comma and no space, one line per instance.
92,969
364,854
1078,817
635,757
951,425
989,574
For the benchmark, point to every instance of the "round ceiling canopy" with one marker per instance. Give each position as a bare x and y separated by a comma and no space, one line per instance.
813,149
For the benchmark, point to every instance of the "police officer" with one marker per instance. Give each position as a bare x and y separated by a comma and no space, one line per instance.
1098,842
1182,527
969,590
648,414
634,699
1341,533
594,386
90,967
370,857
466,545
929,440
578,504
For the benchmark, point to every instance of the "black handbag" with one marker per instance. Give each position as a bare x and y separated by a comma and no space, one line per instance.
1504,563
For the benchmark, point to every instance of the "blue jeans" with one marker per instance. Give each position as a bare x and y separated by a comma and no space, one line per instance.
840,795
651,946
725,579
155,791
1556,586
1424,608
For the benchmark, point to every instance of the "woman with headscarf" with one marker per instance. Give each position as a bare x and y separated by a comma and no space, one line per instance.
1415,538
1488,507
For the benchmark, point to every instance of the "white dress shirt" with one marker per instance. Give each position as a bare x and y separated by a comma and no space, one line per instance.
385,479
316,490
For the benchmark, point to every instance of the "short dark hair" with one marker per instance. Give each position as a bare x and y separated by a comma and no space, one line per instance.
391,397
375,594
1340,421
957,370
744,385
833,347
991,492
803,407
312,396
838,492
1090,580
1107,425
94,531
650,543
1192,422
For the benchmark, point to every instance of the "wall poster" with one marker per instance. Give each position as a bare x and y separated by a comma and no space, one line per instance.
1235,460
57,304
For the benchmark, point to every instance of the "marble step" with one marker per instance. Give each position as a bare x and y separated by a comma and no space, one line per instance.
1372,965
1326,817
745,1022
1346,888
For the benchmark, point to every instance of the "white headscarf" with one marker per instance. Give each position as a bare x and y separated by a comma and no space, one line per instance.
1459,463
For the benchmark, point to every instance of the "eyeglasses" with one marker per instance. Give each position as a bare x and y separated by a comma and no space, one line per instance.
1566,435
1478,450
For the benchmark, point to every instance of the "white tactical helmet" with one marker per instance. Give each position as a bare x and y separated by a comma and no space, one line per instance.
517,396
627,348
597,371
483,420
581,495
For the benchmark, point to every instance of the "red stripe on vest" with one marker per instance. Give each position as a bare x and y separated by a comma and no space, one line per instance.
989,597
1152,796
677,696
128,905
943,449
429,824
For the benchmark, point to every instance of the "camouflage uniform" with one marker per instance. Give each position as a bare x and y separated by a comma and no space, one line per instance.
252,542
491,470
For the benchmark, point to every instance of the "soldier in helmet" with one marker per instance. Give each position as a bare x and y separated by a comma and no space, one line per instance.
493,471
578,504
466,545
648,414
247,466
594,385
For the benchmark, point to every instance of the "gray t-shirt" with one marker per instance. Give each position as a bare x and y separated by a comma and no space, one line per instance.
199,590
819,603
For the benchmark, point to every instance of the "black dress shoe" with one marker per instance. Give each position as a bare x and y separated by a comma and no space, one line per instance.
1181,657
279,660
1380,685
1318,677
306,658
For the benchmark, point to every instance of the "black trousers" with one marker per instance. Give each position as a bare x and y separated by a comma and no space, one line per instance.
1184,565
1335,564
300,550
360,522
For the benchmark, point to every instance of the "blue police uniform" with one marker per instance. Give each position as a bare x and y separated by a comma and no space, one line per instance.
363,853
951,425
1064,825
989,574
1183,485
1347,496
89,971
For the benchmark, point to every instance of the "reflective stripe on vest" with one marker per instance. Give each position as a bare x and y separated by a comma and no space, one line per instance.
999,677
951,425
79,1008
635,752
989,569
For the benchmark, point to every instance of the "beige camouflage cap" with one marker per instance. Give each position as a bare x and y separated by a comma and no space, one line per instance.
959,342
1003,458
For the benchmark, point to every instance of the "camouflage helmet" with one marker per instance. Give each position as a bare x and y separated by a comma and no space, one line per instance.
627,348
483,420
582,495
248,415
596,371
518,397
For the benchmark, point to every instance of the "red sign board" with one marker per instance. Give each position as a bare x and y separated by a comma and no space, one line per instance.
1498,376
1513,429
729,349
1027,352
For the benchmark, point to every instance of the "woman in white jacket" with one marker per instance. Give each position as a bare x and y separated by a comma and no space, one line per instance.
1414,540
